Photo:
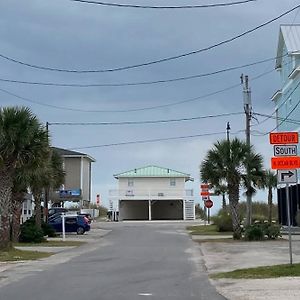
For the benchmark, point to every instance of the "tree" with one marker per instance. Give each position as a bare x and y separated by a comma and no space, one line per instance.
23,143
50,175
221,190
227,162
270,183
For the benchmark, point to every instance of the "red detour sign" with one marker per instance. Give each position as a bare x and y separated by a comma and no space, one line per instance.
281,138
208,203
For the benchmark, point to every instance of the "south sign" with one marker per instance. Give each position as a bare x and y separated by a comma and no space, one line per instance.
285,150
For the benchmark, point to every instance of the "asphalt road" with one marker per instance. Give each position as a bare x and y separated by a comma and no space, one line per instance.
133,262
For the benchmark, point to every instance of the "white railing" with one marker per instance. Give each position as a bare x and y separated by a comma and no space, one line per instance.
153,194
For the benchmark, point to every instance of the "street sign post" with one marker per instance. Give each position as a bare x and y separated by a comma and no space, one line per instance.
286,162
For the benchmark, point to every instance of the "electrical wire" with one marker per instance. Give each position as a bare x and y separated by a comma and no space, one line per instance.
163,7
293,121
151,140
143,122
88,85
133,109
226,41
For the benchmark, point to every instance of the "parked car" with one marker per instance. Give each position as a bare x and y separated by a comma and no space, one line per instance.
73,223
88,216
55,211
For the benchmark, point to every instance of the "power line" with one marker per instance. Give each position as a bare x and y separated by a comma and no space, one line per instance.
151,140
153,61
143,122
162,7
134,109
88,85
293,121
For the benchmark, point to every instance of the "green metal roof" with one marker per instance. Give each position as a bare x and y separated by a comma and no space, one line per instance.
153,171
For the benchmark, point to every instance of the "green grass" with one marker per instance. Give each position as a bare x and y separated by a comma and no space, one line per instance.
206,230
17,255
51,244
261,272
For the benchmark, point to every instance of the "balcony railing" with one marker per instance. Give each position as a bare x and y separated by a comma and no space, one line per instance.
153,194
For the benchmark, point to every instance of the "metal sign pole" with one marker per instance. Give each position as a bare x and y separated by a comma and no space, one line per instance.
63,226
289,221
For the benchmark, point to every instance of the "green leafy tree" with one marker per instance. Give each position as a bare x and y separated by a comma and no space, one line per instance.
227,162
270,183
23,143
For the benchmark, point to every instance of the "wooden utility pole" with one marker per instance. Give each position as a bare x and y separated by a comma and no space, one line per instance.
248,114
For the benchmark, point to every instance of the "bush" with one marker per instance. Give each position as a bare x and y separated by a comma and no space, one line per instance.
223,221
48,230
260,231
30,233
254,233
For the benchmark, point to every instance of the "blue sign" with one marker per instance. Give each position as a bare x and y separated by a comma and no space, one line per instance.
70,193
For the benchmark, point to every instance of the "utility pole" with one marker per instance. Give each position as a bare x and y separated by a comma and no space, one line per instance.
47,192
248,114
228,131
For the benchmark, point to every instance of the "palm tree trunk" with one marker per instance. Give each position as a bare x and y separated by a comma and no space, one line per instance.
270,204
233,193
38,210
223,201
6,184
17,201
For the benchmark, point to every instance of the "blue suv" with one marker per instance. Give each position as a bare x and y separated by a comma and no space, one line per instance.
73,223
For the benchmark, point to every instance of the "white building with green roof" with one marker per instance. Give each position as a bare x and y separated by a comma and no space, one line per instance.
153,193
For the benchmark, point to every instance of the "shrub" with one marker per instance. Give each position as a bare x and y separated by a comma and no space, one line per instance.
260,231
223,221
48,230
30,233
254,233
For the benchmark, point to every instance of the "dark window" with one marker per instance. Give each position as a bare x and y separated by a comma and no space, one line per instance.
71,221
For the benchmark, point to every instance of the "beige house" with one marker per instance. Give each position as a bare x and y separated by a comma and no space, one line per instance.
78,181
153,193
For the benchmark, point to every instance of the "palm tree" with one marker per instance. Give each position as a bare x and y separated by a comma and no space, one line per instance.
23,142
49,176
221,190
270,183
227,162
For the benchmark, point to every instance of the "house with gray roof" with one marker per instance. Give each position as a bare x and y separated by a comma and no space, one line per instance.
153,193
78,179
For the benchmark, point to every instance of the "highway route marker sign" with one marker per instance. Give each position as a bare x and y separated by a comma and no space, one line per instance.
285,150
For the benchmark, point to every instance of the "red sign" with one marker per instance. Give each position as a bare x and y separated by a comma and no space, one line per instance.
208,203
204,193
98,199
204,186
285,162
281,138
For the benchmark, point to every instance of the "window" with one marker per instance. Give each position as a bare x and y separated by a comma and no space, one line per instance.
172,182
130,182
25,211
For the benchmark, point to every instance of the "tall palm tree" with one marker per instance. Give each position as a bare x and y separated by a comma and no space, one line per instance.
227,162
49,176
270,183
221,190
23,142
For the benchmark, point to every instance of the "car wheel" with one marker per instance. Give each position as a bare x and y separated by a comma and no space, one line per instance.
80,230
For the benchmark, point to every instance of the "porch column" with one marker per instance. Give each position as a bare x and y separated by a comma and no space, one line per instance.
150,217
183,207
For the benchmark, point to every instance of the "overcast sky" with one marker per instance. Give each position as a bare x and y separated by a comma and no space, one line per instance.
64,34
